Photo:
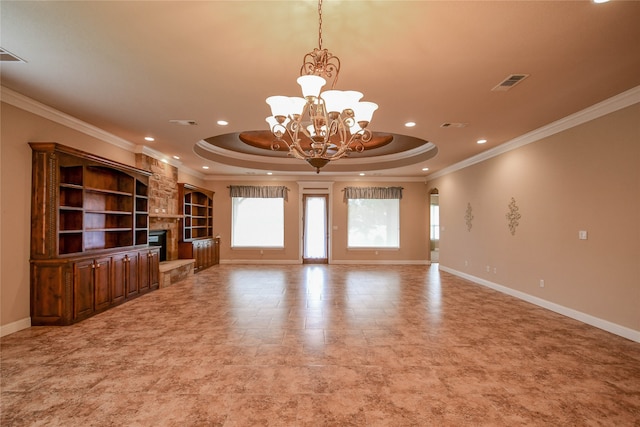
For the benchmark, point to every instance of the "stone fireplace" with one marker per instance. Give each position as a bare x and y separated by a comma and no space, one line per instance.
163,200
158,238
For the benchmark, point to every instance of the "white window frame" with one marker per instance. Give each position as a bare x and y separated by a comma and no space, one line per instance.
261,225
352,205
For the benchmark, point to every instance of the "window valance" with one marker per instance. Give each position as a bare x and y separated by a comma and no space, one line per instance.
372,193
259,191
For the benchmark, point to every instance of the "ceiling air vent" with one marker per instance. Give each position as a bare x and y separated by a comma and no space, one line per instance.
184,122
6,56
453,125
510,82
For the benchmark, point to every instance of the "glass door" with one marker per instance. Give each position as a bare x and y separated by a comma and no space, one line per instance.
315,232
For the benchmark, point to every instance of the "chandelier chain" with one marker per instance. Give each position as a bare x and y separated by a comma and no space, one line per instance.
320,24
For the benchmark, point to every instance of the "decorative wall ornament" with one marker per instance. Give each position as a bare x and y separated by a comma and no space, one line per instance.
513,216
468,217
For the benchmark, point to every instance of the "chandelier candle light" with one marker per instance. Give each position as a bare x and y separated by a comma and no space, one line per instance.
320,127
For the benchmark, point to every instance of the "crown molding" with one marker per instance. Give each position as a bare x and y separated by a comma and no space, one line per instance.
615,103
31,105
302,178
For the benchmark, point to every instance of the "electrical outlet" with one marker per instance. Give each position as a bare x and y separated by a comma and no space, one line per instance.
488,269
495,270
466,263
542,283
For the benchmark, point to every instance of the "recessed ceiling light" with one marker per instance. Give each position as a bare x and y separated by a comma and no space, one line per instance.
425,169
205,167
481,141
165,161
361,173
176,157
410,124
222,122
149,138
600,1
269,173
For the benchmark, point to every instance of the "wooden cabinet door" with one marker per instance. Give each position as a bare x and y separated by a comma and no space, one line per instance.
143,271
216,251
102,283
82,289
148,270
208,253
132,278
120,275
154,269
199,255
125,276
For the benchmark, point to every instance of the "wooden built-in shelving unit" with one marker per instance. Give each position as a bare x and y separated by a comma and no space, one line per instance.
196,227
89,234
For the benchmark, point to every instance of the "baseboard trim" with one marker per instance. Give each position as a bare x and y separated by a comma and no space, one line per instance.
605,325
261,261
15,326
379,262
333,261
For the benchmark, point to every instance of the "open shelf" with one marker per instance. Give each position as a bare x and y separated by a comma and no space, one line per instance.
70,242
107,239
108,179
100,204
71,175
197,208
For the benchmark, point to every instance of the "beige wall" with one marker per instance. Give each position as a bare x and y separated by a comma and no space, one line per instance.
413,222
222,225
585,178
18,128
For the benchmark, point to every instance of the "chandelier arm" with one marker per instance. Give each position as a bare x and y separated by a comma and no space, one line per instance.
335,127
357,146
278,131
300,128
297,151
359,139
365,135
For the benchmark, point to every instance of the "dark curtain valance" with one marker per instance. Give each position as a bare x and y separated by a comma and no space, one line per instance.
259,191
372,193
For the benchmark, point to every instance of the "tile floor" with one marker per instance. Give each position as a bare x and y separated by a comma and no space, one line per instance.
321,346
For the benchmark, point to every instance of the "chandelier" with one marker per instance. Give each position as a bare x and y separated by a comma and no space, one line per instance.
320,126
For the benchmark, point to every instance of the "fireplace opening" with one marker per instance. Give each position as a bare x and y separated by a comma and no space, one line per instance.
159,238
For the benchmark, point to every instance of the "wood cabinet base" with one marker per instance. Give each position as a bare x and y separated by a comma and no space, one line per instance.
205,252
65,291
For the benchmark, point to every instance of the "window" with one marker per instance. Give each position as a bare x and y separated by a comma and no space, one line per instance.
257,221
435,220
373,217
